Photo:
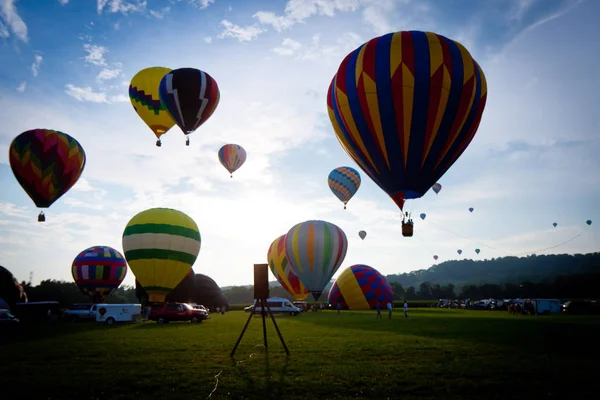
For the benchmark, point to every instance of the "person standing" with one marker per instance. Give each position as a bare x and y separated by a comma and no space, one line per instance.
339,307
405,309
389,307
378,310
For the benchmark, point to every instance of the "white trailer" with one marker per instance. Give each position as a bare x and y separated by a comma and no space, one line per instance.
544,306
111,313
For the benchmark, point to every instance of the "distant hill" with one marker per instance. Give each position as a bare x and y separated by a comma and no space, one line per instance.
501,270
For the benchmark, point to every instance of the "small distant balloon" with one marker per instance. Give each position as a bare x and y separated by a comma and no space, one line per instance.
554,224
436,188
477,251
589,222
344,182
471,209
423,215
362,234
232,156
435,257
459,251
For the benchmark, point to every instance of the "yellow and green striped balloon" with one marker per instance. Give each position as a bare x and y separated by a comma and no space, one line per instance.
161,245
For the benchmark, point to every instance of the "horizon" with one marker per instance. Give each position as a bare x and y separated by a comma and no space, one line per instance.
533,161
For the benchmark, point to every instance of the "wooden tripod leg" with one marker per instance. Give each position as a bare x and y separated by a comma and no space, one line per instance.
263,305
242,334
278,332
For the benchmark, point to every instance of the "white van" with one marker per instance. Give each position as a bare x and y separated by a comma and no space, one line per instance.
111,313
278,305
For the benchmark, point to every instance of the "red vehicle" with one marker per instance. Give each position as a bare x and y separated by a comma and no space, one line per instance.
166,312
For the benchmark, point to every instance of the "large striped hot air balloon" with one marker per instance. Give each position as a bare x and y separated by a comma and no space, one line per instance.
232,156
161,245
344,182
405,106
143,94
315,250
190,96
283,271
360,287
98,271
47,164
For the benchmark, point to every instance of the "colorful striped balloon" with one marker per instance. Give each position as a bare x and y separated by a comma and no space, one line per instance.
98,271
315,250
46,163
344,182
232,156
161,245
405,106
360,287
283,271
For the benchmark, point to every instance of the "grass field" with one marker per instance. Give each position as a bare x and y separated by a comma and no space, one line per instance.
436,354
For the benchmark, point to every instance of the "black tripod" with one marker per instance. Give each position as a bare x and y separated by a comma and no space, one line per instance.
263,304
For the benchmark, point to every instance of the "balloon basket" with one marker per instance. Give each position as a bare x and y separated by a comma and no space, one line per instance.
187,141
158,143
41,217
407,230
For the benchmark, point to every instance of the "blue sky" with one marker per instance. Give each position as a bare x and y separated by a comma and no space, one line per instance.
66,65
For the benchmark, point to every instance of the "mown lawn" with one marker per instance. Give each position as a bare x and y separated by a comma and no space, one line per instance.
436,354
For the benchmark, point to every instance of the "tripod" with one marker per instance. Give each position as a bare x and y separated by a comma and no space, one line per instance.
263,304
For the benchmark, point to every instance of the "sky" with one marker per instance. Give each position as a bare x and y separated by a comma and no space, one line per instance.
66,65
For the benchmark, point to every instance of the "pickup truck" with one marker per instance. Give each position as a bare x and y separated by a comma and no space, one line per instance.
80,312
166,312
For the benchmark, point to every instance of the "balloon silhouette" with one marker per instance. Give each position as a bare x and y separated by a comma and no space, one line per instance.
589,222
459,251
554,224
423,215
435,257
362,234
471,209
436,188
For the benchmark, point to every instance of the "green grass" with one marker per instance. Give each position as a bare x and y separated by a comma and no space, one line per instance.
437,353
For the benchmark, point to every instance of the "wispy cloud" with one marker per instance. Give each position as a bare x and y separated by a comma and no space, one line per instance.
243,34
88,94
110,73
21,88
10,18
288,47
95,54
63,2
121,6
35,67
160,14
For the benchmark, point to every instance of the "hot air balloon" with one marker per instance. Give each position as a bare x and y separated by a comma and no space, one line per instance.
436,188
477,251
190,96
315,250
360,287
283,271
554,224
344,182
459,251
160,246
435,257
98,271
232,156
423,215
362,234
11,291
143,94
47,164
405,106
471,209
589,222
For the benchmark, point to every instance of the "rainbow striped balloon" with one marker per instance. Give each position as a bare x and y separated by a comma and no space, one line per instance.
360,287
161,245
98,271
283,271
344,182
232,156
315,251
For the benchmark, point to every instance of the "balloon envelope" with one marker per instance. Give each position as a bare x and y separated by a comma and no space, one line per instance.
190,96
477,251
315,250
344,182
11,291
435,257
459,251
360,287
436,188
362,234
589,222
554,224
232,156
98,271
46,163
161,245
471,209
405,106
423,215
283,271
144,97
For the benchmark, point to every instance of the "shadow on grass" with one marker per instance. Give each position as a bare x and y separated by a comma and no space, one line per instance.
37,331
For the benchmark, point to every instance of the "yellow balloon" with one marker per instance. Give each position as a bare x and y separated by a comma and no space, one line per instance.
161,245
143,93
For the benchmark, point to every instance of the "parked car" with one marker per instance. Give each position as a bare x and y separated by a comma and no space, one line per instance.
200,307
6,318
166,312
80,312
278,305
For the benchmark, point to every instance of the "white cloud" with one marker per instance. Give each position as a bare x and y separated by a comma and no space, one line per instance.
95,54
243,34
85,94
288,47
160,14
110,73
11,19
208,39
205,3
35,67
121,6
21,88
63,2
